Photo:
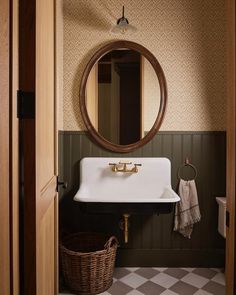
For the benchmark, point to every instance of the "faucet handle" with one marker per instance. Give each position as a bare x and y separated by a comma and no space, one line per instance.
135,168
114,166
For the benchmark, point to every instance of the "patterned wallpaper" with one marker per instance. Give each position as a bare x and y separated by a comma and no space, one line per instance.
187,37
59,63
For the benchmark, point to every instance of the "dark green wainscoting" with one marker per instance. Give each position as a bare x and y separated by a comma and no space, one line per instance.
151,239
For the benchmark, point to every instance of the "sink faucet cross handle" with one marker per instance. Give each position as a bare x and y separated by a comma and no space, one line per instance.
114,166
135,168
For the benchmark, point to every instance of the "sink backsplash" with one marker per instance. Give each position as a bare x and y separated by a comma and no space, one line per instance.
152,241
100,182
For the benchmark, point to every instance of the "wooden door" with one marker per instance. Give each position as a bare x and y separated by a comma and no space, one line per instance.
46,196
231,154
38,148
4,148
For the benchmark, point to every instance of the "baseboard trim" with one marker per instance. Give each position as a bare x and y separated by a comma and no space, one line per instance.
170,258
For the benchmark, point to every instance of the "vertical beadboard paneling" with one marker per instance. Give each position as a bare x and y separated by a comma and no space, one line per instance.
197,158
207,152
176,160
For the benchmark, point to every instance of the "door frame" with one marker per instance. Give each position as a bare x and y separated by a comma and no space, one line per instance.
14,171
5,146
9,189
230,269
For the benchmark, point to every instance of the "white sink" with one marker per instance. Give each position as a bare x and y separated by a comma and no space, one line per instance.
151,184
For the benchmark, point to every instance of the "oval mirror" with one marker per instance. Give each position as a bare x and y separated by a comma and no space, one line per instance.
123,96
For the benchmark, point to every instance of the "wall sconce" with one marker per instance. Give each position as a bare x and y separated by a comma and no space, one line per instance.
122,26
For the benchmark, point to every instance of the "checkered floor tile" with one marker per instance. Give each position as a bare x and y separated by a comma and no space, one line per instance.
166,281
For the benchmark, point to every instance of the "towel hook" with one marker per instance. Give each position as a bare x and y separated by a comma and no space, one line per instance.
187,163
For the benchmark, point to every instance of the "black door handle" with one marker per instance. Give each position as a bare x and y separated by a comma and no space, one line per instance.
61,183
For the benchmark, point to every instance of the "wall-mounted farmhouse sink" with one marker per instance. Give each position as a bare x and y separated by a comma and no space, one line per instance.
149,182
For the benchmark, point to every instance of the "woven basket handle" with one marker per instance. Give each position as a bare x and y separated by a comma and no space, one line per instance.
110,242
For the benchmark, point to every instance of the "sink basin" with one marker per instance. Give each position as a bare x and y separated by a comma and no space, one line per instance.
151,184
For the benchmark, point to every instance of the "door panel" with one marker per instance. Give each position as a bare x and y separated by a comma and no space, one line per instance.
46,264
45,247
44,92
45,199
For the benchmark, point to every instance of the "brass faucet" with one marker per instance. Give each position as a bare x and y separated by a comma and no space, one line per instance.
116,167
124,168
135,168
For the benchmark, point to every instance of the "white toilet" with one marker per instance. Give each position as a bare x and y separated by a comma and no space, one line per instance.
222,216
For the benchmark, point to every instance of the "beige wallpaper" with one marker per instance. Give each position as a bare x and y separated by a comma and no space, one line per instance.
59,63
187,37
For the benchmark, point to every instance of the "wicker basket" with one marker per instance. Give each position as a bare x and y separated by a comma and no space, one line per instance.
88,261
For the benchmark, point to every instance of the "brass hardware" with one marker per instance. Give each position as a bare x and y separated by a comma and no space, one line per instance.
135,168
187,163
124,225
122,167
114,167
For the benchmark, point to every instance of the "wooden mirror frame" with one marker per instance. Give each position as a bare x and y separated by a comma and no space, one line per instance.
163,96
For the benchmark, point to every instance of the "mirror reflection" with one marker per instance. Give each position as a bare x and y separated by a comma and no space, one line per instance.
122,96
